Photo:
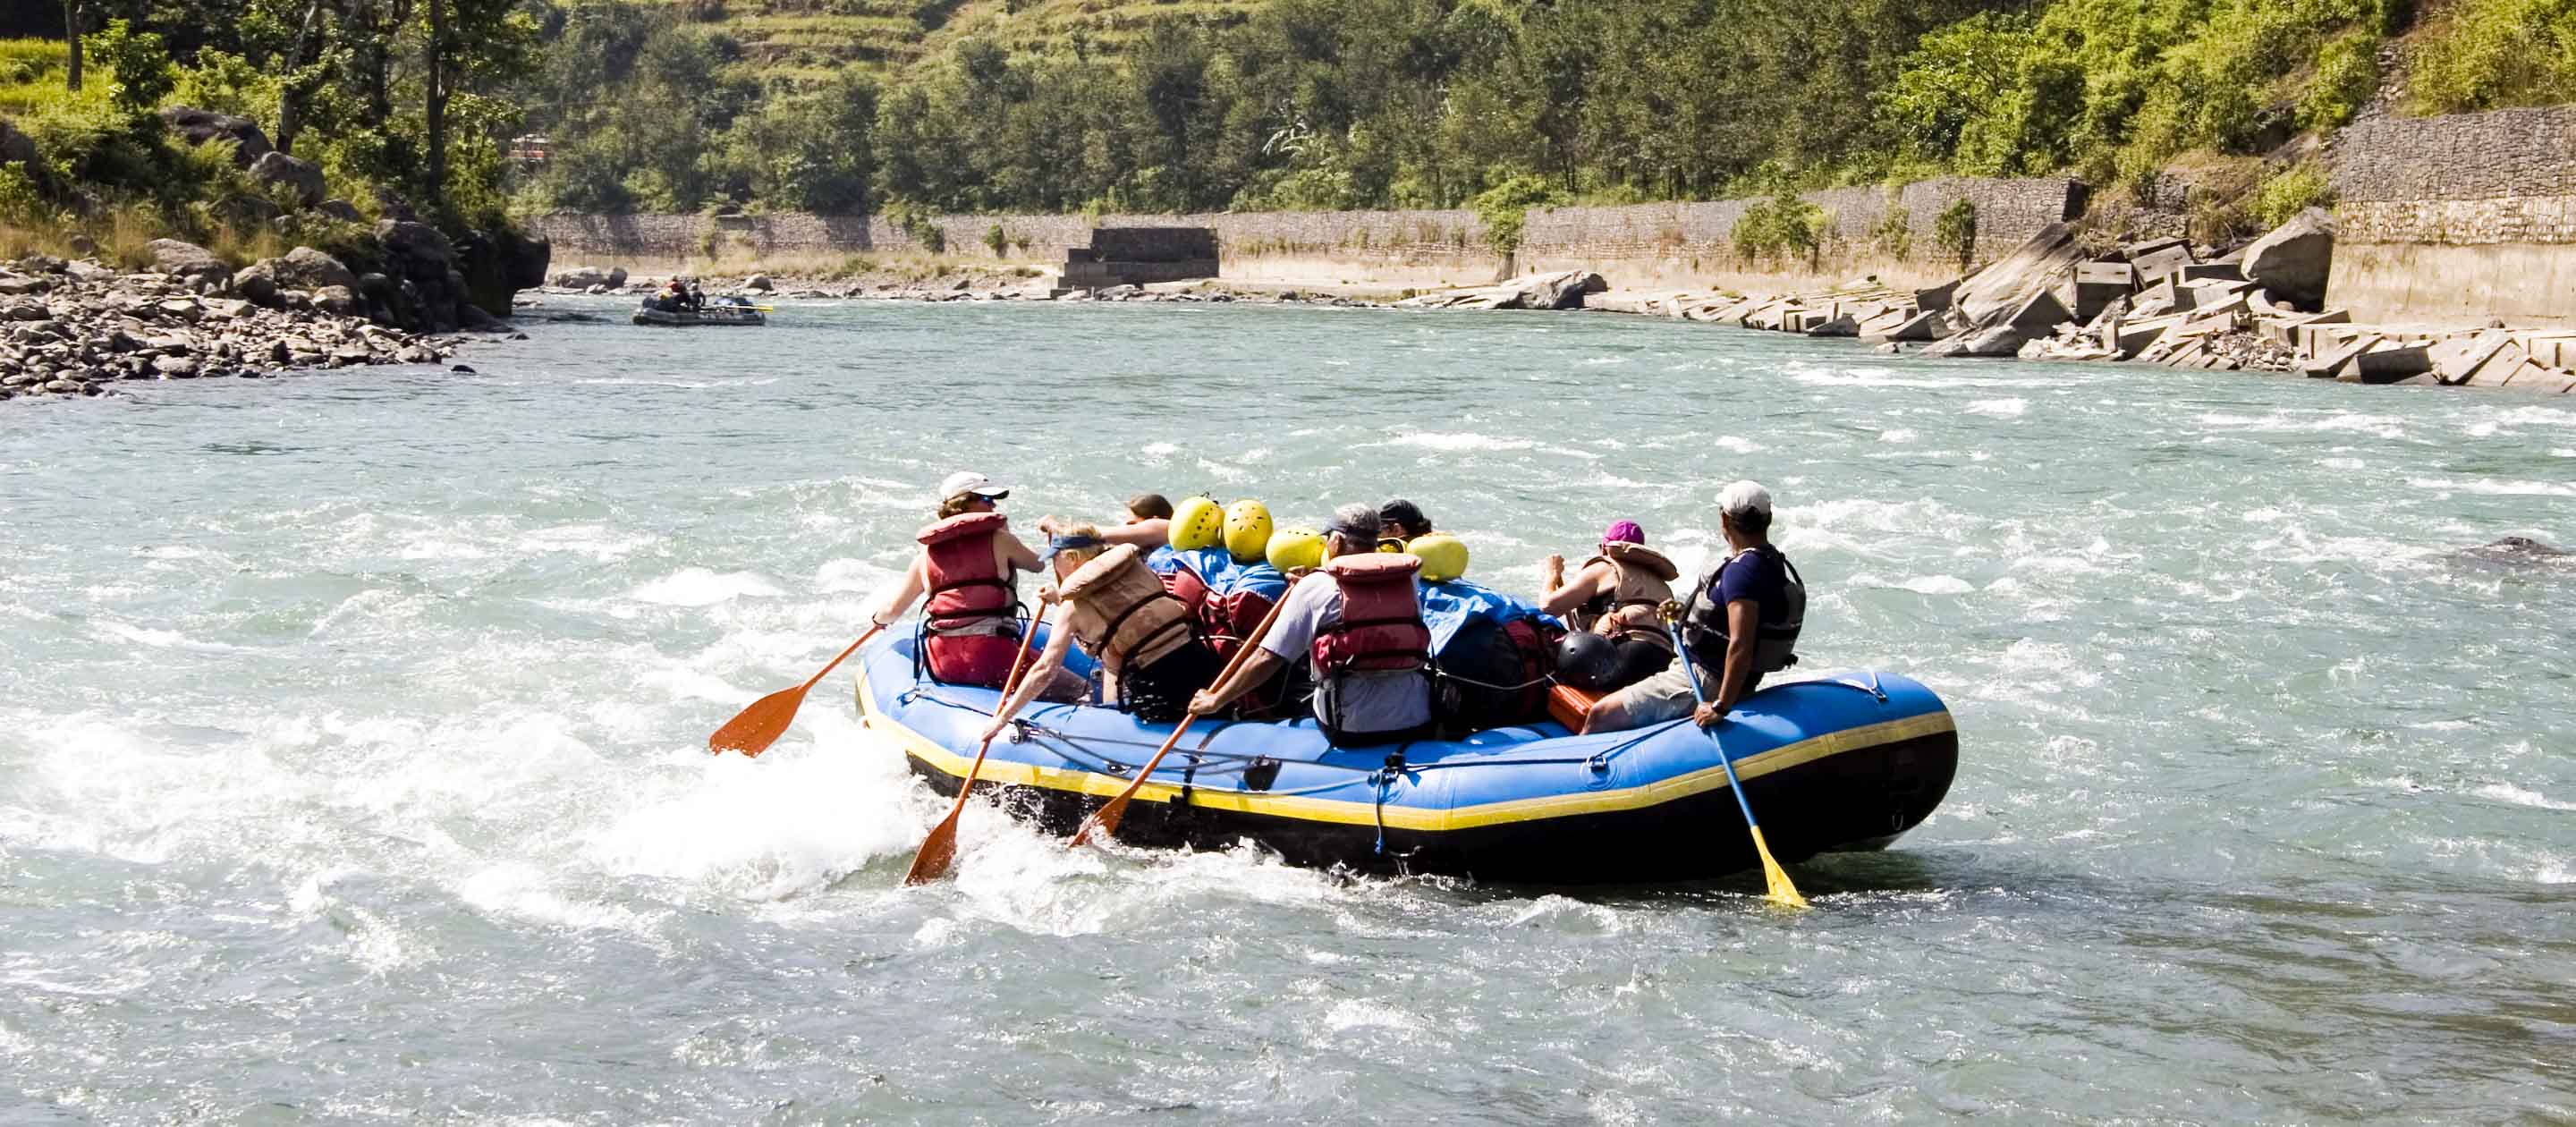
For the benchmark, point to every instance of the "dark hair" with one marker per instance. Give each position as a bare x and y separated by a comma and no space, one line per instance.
1404,517
1750,522
1149,506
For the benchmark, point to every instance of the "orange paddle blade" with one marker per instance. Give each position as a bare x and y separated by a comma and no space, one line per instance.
931,860
759,725
752,730
937,850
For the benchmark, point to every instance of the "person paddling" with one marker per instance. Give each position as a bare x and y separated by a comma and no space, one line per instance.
1117,611
1741,622
968,566
1357,622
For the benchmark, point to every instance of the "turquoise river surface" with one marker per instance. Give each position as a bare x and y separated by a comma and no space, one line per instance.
352,730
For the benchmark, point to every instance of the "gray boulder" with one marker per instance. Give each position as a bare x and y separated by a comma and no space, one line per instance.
300,177
200,127
187,261
336,299
498,264
2292,261
341,210
305,268
416,253
257,282
758,282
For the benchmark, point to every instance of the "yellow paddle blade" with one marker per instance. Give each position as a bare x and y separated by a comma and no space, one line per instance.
1782,892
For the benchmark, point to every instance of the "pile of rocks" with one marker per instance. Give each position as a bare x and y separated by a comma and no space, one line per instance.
2056,298
77,328
1562,289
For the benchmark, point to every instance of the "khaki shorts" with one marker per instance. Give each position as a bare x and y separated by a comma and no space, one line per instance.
1660,697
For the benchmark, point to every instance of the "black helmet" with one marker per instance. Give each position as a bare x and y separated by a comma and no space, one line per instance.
1584,660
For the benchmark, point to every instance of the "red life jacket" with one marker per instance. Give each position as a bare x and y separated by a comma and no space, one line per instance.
1381,624
969,590
1224,621
1184,584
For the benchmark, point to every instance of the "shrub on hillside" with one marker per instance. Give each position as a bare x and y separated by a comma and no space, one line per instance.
2492,53
1504,208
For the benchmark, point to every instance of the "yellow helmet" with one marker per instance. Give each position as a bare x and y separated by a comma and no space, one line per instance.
1443,556
1197,523
1294,548
1247,530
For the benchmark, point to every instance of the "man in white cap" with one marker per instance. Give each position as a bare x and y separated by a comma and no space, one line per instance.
1740,622
967,483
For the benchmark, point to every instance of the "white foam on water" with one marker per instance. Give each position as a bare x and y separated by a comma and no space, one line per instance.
825,801
1734,445
849,576
1920,585
1459,442
699,587
2350,422
1895,435
2521,796
2495,488
1998,408
596,541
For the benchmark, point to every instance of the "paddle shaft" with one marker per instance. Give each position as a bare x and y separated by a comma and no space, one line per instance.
1107,817
1781,889
873,629
1691,675
931,860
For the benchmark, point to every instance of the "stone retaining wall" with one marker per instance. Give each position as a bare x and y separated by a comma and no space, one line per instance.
2468,215
1691,237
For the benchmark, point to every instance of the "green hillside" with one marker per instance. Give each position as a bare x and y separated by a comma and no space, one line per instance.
916,106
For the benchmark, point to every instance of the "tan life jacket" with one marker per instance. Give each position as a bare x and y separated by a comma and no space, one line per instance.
1120,613
1642,581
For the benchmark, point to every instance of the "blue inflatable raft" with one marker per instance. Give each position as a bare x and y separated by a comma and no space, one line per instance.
1842,762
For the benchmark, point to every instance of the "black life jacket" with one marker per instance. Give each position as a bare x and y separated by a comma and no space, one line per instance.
1775,637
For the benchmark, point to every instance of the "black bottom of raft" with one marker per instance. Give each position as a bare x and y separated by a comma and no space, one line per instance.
1860,799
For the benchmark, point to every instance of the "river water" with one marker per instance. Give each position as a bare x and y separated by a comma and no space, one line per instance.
352,768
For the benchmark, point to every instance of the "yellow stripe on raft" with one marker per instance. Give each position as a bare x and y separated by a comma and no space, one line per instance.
1311,809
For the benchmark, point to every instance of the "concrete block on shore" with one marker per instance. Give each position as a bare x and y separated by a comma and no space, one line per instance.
2497,367
1842,326
2136,337
2156,258
1938,297
2194,273
2098,284
2000,340
1929,325
2456,359
2038,315
2001,291
2387,362
2331,363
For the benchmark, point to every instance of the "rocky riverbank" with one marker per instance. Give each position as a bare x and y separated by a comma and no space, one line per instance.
80,328
1023,284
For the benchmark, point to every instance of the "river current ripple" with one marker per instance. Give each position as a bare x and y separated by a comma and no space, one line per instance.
351,762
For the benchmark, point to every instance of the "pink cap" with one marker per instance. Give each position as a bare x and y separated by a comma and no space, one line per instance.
1623,532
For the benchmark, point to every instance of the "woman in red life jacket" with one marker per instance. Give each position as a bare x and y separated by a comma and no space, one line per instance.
968,567
1357,622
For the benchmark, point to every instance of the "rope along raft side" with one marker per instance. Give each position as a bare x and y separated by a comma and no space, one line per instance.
1835,763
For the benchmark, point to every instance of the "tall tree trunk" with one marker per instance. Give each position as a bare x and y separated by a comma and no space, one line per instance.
72,31
434,101
299,86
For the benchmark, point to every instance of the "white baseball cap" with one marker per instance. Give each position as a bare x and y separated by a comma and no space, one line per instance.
1744,497
968,481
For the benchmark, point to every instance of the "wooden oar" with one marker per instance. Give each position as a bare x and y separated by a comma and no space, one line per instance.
1782,892
1105,820
931,862
752,730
